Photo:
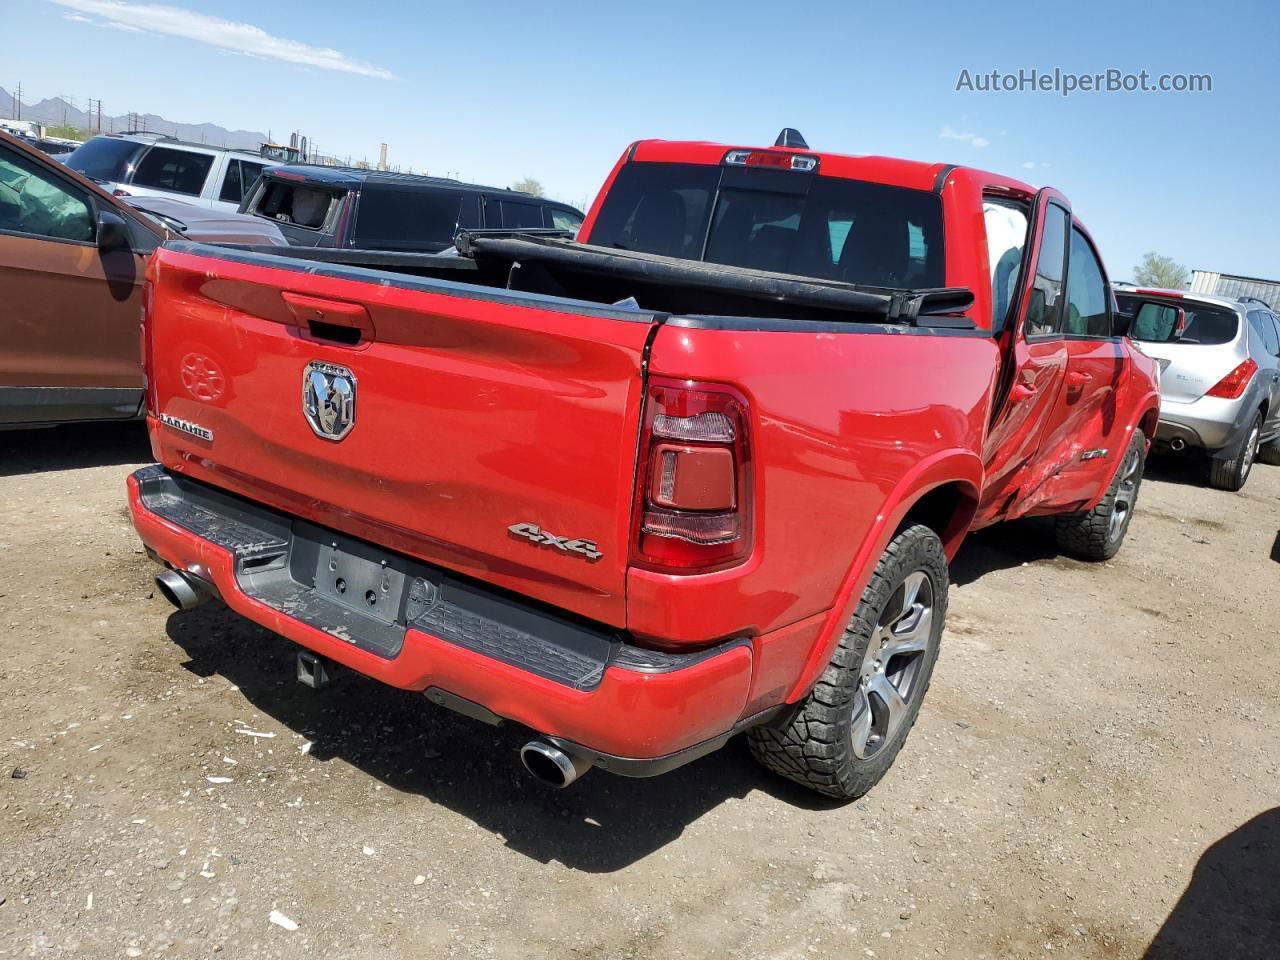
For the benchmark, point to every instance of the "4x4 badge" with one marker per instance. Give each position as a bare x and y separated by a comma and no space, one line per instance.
535,534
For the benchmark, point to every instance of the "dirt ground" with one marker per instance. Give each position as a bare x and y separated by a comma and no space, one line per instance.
1095,767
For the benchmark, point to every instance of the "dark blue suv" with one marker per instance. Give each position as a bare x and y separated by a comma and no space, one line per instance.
378,210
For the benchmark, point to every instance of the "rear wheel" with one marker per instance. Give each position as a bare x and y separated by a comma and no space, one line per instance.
1231,474
1097,534
847,732
1269,453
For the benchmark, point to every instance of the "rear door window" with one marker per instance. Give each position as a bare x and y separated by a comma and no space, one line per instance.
389,217
516,215
180,171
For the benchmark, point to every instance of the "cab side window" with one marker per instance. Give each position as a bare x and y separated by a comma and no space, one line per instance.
1087,313
37,203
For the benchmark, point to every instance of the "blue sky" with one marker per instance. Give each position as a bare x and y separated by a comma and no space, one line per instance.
497,91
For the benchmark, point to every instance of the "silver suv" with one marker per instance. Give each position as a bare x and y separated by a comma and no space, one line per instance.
150,165
1220,375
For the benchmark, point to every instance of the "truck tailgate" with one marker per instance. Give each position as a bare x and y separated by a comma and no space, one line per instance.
442,415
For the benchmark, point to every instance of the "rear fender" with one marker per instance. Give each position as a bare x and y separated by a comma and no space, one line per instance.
1255,398
961,467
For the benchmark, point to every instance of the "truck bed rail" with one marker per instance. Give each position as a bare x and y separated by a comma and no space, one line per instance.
939,306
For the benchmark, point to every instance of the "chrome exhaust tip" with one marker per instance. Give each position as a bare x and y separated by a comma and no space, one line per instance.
1177,444
551,765
182,590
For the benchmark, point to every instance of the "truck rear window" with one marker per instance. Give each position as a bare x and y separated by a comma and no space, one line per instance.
412,219
814,226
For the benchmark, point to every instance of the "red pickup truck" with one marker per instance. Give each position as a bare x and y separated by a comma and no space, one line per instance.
698,472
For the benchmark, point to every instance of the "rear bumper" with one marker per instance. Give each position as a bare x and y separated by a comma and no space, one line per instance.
634,711
1209,423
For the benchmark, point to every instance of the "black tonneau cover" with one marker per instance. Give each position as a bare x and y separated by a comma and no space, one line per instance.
940,306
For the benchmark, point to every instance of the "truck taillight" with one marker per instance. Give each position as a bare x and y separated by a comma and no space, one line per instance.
1233,384
694,495
144,344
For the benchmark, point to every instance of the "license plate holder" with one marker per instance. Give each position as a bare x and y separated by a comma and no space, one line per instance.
369,587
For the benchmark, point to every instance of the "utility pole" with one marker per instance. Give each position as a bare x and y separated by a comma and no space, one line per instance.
18,102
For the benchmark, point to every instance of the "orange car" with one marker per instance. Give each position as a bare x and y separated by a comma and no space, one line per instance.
72,260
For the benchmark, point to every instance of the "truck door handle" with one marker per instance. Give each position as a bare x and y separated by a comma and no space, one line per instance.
1078,378
1023,390
336,320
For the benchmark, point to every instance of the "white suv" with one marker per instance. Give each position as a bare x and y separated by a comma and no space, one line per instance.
150,165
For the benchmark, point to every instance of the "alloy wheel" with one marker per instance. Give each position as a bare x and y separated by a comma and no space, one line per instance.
1126,491
887,679
1249,453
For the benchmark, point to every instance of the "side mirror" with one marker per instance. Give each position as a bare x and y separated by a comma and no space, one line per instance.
113,232
1158,323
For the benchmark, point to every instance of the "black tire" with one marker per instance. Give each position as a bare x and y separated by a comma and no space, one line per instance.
1098,534
1269,453
1231,474
820,744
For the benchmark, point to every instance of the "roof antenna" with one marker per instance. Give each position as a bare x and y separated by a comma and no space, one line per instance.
790,137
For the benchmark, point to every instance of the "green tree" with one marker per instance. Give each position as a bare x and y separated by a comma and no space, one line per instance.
528,185
1160,271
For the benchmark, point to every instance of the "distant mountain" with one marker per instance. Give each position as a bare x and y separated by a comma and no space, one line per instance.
58,111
